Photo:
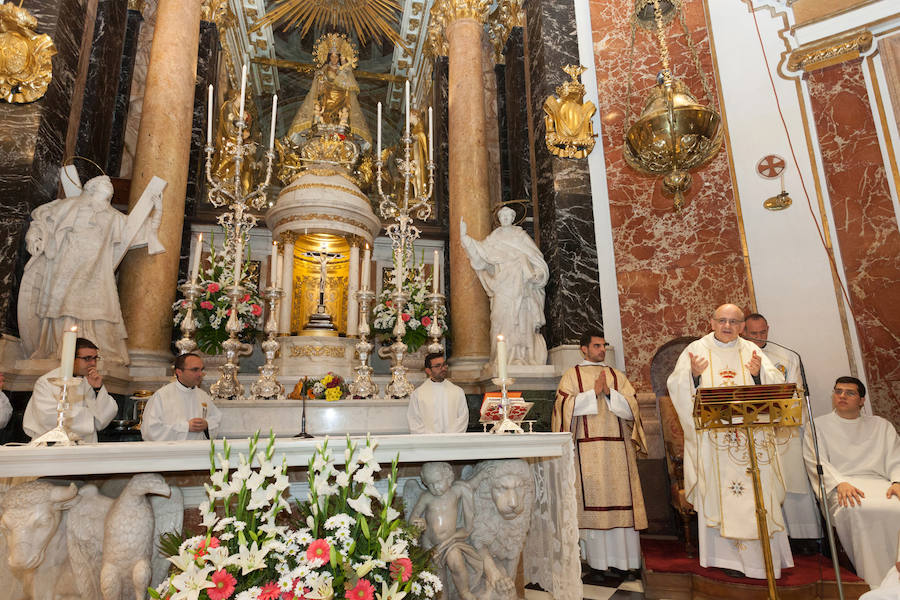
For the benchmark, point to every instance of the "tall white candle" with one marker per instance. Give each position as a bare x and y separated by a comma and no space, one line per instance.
366,269
238,259
195,258
67,354
501,357
274,112
243,91
273,267
209,117
430,136
436,273
377,156
279,271
407,108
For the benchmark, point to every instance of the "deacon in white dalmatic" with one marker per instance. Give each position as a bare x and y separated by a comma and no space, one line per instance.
181,410
860,457
437,406
716,478
800,513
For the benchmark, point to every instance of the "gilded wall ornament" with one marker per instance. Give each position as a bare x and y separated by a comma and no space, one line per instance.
830,52
25,66
315,351
570,133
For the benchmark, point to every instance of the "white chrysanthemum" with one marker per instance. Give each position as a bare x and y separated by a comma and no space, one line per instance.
339,521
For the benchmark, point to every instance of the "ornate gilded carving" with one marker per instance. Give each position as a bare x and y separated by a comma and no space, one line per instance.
507,15
288,237
137,5
446,12
319,186
570,133
368,19
831,52
320,217
25,66
309,350
212,10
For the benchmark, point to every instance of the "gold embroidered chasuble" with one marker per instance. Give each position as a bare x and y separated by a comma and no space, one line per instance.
606,447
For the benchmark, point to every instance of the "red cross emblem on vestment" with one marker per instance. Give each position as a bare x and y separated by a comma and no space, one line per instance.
770,166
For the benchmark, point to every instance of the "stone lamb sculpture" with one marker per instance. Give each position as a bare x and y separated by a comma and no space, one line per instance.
128,539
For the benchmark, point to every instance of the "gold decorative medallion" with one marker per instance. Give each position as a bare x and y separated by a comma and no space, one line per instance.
25,67
570,133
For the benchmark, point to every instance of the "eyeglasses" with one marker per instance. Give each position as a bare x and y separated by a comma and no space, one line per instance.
729,321
93,358
848,393
195,369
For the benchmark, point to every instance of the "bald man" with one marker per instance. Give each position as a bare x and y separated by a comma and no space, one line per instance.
716,480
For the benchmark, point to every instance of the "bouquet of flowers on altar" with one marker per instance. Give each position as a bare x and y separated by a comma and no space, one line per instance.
347,543
213,306
417,313
331,387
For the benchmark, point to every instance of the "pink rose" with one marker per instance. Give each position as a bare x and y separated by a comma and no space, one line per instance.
213,288
256,309
405,317
206,304
426,321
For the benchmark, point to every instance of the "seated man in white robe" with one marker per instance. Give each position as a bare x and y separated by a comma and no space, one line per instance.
860,457
437,406
800,513
181,410
716,478
85,418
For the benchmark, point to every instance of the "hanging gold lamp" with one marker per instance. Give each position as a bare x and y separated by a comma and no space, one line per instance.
674,133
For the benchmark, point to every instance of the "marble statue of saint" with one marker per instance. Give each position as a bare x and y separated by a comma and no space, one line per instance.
513,272
332,97
76,243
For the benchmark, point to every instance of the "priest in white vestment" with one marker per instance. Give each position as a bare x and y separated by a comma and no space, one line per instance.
716,481
181,410
597,404
437,406
860,457
85,417
800,513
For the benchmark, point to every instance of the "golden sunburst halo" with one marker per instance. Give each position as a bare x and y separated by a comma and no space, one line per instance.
366,18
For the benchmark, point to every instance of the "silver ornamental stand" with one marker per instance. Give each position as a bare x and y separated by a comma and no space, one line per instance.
506,425
266,386
191,292
436,299
60,435
363,386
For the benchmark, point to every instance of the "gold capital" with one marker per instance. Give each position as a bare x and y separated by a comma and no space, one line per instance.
446,12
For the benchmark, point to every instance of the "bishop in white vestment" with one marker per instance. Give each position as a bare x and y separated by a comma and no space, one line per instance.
716,480
437,406
860,457
181,410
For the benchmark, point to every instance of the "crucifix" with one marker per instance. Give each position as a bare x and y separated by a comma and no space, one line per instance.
321,321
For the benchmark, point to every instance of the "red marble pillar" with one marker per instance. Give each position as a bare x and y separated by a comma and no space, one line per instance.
865,223
673,269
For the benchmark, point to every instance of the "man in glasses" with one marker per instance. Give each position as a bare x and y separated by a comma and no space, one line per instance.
437,406
181,410
86,417
860,457
717,481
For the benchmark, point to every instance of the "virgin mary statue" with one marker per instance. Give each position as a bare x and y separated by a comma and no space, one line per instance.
332,98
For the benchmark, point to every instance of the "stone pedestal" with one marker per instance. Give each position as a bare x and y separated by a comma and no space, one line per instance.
315,356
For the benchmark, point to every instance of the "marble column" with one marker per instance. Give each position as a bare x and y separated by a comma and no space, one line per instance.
34,140
352,287
469,186
287,283
147,283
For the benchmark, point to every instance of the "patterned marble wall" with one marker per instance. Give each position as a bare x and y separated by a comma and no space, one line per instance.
865,222
673,269
562,186
517,154
32,145
123,92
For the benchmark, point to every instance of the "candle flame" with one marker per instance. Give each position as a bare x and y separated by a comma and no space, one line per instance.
74,328
500,338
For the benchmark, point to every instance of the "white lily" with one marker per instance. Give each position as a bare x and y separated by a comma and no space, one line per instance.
390,593
362,505
250,559
191,582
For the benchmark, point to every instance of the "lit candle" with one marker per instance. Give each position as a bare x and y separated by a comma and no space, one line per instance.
209,117
377,156
238,259
366,269
501,357
274,112
407,108
243,91
273,268
430,137
67,354
436,274
195,258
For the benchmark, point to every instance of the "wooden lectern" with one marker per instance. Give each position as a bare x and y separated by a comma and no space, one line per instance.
749,407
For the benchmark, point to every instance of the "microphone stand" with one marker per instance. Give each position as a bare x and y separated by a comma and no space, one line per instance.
829,530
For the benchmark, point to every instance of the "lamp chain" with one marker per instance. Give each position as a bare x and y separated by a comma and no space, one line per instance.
695,57
663,47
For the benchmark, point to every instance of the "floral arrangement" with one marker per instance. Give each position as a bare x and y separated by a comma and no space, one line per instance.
331,387
417,313
348,542
213,306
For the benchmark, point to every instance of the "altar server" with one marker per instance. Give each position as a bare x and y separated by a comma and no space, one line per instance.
716,478
597,404
84,418
800,513
437,406
860,457
181,410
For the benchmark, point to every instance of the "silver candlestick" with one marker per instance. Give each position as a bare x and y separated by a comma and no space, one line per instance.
266,386
435,332
191,292
506,425
363,386
60,435
399,387
228,387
